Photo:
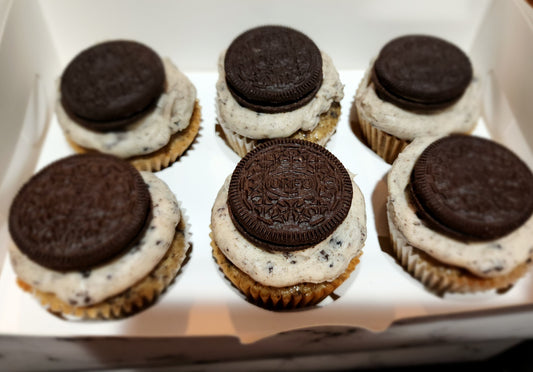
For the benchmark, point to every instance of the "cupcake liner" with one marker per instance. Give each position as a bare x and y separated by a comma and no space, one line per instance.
321,134
240,144
177,145
442,278
279,298
385,145
165,156
136,298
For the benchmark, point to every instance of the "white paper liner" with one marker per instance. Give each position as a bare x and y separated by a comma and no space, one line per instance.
385,145
242,145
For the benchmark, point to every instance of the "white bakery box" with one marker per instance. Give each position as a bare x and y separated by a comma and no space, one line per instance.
381,316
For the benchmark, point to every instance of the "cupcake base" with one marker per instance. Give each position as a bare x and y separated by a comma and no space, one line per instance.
134,299
442,278
279,298
321,134
165,156
385,145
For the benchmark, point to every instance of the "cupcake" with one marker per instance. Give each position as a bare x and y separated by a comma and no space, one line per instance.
460,213
417,86
95,238
289,224
274,82
121,98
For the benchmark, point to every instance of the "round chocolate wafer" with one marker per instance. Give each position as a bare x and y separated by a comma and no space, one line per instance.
419,72
289,194
273,69
112,84
79,211
471,188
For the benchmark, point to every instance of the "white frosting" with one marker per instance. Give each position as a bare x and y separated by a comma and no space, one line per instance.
95,285
461,117
150,133
486,259
252,124
322,262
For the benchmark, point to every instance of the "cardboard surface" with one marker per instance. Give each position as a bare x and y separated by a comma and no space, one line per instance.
38,40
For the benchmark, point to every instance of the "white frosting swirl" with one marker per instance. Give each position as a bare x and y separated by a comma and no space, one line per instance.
95,285
486,259
150,133
322,262
461,117
252,124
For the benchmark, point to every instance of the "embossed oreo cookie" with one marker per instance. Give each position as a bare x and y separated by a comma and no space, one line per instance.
112,84
79,211
471,188
273,69
418,72
287,195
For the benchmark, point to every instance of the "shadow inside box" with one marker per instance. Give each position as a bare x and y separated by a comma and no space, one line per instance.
220,133
379,206
354,124
357,131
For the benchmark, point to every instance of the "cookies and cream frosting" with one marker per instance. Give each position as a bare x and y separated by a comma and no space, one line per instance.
84,288
461,117
483,258
324,261
251,124
172,114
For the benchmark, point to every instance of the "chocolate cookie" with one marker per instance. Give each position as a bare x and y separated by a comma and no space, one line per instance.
112,84
287,195
419,72
79,212
471,188
273,69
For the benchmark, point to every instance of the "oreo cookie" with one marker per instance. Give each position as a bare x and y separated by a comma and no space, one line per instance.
79,212
273,69
471,188
418,72
287,195
112,84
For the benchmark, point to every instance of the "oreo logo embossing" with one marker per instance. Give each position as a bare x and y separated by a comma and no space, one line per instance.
289,195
